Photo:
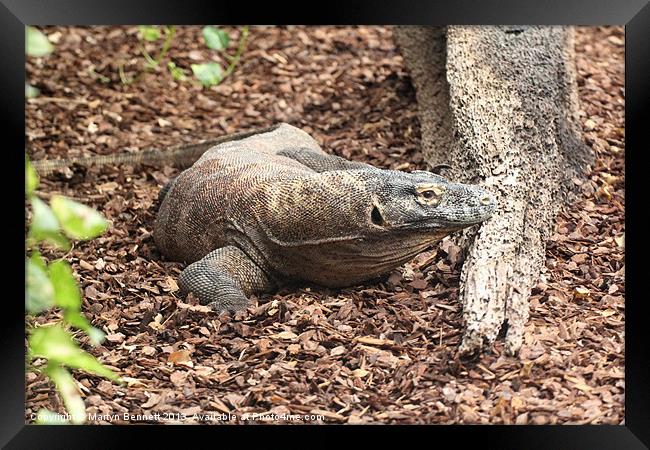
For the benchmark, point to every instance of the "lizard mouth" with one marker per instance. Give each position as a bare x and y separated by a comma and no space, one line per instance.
453,222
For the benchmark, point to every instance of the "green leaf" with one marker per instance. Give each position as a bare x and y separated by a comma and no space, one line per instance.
31,177
66,291
43,219
215,38
37,259
77,220
177,72
31,91
39,293
76,319
36,43
45,226
149,33
57,346
209,74
95,335
67,387
47,417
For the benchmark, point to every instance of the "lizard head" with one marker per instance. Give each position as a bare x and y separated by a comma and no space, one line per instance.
426,202
341,227
367,209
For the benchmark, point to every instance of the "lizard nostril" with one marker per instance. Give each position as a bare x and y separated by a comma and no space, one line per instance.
486,200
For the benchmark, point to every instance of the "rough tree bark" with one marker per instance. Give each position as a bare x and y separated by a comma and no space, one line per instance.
499,104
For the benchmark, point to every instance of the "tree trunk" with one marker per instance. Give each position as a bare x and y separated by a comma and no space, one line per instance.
499,104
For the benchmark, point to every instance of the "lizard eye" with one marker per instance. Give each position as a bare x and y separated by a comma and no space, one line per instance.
430,194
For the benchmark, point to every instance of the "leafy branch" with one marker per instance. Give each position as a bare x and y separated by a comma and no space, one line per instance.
36,45
54,285
151,34
211,74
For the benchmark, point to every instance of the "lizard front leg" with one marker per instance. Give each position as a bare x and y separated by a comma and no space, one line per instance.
224,279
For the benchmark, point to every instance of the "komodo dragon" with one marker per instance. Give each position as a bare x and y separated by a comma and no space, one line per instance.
264,208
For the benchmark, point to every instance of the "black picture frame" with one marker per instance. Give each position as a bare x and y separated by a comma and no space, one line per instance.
634,14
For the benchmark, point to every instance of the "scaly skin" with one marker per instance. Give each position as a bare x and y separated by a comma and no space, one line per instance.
180,156
272,208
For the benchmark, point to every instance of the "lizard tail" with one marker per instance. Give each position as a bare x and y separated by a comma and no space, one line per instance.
180,156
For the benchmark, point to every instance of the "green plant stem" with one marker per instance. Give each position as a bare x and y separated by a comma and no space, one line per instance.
234,60
123,77
170,32
102,78
151,62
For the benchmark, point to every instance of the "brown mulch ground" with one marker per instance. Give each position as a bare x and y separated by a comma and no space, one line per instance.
382,353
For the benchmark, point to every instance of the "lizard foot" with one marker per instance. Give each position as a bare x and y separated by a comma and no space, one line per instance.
223,279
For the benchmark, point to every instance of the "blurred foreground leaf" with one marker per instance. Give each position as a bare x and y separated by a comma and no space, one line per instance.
67,387
31,177
66,291
39,293
31,91
56,345
36,43
45,226
77,220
